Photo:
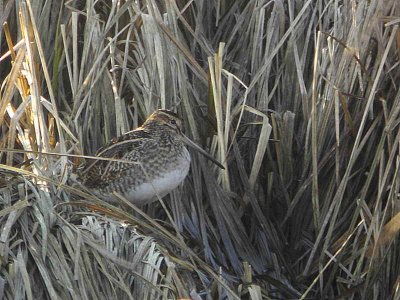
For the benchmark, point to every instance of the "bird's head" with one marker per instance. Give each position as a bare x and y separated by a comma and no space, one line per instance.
164,119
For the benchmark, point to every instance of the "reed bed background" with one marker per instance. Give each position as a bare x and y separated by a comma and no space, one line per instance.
299,100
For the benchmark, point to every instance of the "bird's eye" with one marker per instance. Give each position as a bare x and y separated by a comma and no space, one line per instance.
173,122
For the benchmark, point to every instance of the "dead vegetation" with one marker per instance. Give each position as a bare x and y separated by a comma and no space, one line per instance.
298,99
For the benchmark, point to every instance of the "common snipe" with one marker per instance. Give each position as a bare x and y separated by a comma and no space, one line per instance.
160,155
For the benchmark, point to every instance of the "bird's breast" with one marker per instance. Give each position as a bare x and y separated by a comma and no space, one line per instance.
162,183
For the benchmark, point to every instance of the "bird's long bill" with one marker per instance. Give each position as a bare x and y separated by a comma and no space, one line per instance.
199,149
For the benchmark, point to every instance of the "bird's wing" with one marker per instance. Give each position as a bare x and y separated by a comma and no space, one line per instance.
130,147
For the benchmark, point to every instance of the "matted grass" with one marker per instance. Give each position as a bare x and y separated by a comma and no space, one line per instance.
299,100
